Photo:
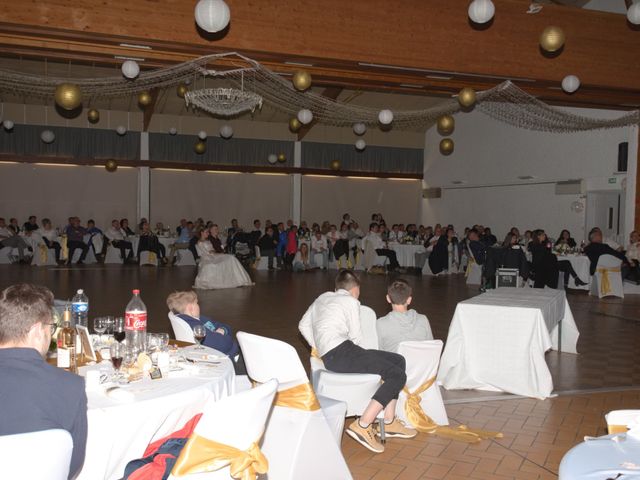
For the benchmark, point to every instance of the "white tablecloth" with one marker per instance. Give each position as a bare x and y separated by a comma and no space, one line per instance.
119,431
406,253
497,341
603,458
580,264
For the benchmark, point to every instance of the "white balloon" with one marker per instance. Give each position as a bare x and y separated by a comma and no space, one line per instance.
130,69
8,125
305,116
226,131
633,14
121,130
359,128
481,11
212,15
570,83
385,117
173,131
202,135
47,136
361,144
272,158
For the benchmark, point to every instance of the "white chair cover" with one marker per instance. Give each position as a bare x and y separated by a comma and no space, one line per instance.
181,329
98,242
41,455
112,256
148,258
237,421
621,418
423,359
5,255
474,271
607,280
184,258
262,263
42,256
298,443
371,258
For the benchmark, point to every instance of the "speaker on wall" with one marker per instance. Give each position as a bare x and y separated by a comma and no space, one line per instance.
623,153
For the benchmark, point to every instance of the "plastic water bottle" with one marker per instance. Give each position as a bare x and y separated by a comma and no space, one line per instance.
135,323
80,308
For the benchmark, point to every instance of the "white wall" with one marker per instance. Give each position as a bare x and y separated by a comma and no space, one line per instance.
491,155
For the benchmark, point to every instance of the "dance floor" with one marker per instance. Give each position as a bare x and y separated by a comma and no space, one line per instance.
604,376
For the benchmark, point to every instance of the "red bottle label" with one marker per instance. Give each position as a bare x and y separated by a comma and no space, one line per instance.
135,321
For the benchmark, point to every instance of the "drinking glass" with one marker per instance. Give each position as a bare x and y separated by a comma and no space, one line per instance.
100,325
199,332
117,352
164,341
118,329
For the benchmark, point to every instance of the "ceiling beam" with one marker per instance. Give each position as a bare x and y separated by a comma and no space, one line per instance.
331,93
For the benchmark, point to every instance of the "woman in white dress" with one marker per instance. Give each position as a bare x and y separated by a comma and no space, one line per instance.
218,270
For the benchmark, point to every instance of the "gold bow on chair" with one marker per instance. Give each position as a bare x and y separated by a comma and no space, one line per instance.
605,282
315,354
423,423
300,397
470,263
153,258
64,249
201,455
44,254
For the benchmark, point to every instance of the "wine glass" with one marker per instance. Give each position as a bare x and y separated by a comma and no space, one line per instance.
118,329
199,332
117,352
100,325
164,341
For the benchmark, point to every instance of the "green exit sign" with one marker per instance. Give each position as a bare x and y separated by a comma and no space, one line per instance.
613,180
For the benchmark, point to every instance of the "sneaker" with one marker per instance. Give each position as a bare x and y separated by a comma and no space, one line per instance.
397,429
365,436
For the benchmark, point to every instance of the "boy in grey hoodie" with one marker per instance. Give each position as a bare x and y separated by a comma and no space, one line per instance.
401,324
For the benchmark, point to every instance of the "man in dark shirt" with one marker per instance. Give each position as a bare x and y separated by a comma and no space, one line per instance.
34,395
31,225
75,239
596,248
477,248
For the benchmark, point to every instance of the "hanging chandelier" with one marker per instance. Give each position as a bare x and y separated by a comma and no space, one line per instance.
224,102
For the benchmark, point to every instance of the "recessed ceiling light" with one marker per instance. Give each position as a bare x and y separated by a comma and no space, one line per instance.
439,77
411,85
300,64
137,59
526,177
131,45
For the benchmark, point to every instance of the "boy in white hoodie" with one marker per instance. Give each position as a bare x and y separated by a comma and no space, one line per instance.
401,324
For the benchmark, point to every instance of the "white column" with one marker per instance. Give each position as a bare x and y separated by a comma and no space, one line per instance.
296,194
144,180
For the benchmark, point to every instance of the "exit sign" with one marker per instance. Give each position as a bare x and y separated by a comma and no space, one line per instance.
613,180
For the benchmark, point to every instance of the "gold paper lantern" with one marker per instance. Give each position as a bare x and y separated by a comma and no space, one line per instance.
93,115
144,99
446,146
111,165
552,39
446,124
200,148
467,97
181,90
282,158
301,80
294,124
335,165
68,96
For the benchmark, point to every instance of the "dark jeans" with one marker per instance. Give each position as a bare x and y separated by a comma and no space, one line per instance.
340,249
350,358
288,261
391,255
565,267
634,271
72,245
123,245
53,245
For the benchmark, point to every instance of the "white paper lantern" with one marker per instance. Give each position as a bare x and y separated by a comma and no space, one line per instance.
305,116
385,117
481,11
8,125
47,136
577,206
130,69
202,135
121,130
272,158
226,131
570,83
173,131
360,144
359,128
212,15
633,14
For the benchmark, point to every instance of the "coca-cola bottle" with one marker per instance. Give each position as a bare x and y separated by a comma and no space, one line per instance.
135,323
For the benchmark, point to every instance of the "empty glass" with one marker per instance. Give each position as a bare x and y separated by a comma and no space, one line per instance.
100,325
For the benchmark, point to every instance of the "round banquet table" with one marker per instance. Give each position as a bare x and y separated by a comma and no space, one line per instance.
406,253
603,458
120,430
580,264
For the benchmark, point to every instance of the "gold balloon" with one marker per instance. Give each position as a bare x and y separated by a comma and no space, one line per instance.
68,96
467,97
200,148
282,158
93,115
335,165
301,80
552,39
446,124
144,99
111,165
294,124
182,90
446,146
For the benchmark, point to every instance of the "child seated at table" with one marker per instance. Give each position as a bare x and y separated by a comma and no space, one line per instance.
401,324
219,336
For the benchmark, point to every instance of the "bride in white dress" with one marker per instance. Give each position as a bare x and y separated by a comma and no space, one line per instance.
218,270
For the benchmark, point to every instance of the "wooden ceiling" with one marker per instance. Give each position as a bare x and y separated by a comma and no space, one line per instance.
425,47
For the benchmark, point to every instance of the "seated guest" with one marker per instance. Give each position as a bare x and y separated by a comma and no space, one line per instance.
124,225
75,240
320,246
633,256
181,243
338,244
514,256
214,238
35,395
50,237
444,256
141,224
433,239
13,226
412,232
303,232
302,261
597,248
546,266
31,225
376,242
231,233
268,244
12,240
117,236
488,238
219,336
149,243
93,230
183,224
401,324
395,235
346,218
160,230
565,239
331,326
291,248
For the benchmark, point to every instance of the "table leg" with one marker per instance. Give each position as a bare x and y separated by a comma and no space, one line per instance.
560,336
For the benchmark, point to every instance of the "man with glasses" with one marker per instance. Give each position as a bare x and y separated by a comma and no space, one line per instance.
36,396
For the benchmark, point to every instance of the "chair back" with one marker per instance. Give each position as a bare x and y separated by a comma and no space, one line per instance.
368,319
618,421
267,358
423,359
181,329
608,261
53,449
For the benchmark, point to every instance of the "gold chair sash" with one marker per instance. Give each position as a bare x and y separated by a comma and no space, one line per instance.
153,258
44,254
64,248
201,455
300,397
423,423
315,354
605,282
617,429
470,262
